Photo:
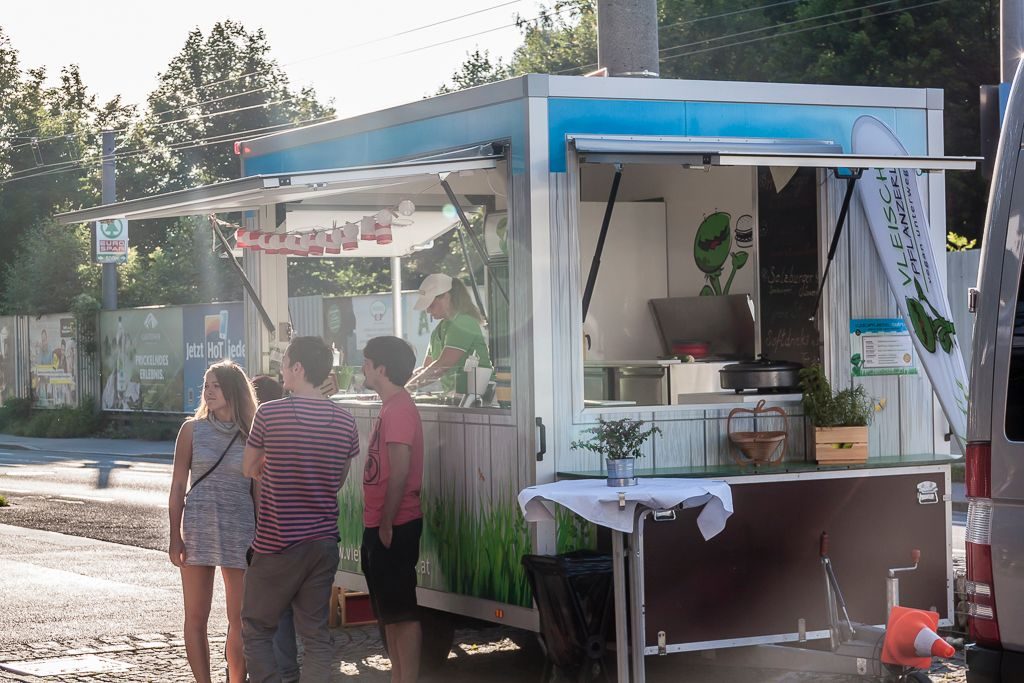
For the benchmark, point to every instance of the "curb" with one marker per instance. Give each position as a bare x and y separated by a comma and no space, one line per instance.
26,447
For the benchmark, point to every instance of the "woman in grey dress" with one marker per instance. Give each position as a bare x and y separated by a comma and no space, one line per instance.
214,526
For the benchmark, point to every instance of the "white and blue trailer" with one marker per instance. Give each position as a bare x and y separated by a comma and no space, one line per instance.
530,174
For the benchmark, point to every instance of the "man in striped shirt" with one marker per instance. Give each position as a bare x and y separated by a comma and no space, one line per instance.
299,449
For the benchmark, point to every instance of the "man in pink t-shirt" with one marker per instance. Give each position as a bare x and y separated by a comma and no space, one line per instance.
392,517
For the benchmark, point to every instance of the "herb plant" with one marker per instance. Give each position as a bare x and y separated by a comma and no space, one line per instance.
616,439
846,408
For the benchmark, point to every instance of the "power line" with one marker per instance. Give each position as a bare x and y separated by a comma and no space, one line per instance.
68,166
809,28
727,14
305,59
346,48
766,28
665,51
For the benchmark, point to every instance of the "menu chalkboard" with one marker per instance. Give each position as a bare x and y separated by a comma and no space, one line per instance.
788,263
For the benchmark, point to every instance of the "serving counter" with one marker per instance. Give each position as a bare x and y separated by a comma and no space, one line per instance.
758,581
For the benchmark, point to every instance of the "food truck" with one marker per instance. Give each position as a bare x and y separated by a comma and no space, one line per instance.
630,241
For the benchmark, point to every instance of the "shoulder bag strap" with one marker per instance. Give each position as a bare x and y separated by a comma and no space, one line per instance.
210,471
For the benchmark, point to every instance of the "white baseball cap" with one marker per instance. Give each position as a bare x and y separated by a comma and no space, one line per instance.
433,286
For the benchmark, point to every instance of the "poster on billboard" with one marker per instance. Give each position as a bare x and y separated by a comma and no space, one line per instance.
212,332
142,364
53,356
350,322
8,376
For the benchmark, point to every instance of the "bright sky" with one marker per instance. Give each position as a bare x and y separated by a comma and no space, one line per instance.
318,43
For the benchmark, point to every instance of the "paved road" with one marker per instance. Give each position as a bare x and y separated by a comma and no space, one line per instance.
106,497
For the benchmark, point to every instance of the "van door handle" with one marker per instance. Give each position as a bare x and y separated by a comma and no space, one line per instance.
542,438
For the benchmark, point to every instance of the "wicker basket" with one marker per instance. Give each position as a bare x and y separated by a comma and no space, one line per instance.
755,448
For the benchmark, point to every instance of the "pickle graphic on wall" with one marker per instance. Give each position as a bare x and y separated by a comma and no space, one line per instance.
933,330
711,249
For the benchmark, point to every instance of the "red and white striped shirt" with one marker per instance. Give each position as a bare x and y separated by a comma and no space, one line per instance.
308,444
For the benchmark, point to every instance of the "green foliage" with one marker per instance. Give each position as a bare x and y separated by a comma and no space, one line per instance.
845,408
616,439
141,427
86,309
478,69
51,267
955,242
18,417
948,45
183,270
3,501
478,551
573,532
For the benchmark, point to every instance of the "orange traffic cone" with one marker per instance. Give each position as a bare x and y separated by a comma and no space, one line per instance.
911,640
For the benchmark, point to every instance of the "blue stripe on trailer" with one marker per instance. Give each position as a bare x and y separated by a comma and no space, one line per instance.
568,116
424,137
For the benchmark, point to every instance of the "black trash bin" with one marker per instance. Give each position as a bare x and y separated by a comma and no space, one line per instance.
574,597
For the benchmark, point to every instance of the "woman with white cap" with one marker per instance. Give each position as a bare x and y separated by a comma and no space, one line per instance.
457,337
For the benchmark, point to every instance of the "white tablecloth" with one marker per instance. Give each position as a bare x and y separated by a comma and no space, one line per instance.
597,502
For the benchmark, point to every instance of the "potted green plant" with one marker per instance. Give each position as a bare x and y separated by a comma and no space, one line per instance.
619,441
840,418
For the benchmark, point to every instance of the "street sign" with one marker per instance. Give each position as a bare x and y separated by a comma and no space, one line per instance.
112,241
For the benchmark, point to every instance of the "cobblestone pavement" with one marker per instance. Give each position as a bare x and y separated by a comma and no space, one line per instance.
490,654
497,654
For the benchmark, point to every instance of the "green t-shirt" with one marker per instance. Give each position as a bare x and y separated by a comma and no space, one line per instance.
463,333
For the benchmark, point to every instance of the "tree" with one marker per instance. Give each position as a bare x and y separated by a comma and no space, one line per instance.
948,45
182,270
50,267
478,69
219,88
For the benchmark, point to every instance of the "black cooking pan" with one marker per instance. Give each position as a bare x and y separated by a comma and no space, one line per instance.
760,375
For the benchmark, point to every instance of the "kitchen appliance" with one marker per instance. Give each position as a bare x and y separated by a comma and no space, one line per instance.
642,383
762,375
722,327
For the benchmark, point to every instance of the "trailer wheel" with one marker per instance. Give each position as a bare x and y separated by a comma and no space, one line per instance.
438,635
917,677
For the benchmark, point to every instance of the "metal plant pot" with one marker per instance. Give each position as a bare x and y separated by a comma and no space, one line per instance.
621,471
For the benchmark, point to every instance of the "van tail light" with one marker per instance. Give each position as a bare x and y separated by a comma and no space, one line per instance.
982,619
978,470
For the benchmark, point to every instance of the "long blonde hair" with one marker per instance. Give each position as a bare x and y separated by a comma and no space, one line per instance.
238,393
462,302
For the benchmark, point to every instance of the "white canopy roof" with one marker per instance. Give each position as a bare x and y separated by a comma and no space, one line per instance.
702,151
259,190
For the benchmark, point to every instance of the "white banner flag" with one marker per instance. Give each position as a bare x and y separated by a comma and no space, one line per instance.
896,215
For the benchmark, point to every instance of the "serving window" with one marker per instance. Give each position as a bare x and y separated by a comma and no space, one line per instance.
456,225
701,266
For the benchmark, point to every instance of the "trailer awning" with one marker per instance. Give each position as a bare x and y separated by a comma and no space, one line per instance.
260,190
698,152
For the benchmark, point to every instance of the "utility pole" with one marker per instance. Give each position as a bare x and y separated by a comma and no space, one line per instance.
627,38
109,286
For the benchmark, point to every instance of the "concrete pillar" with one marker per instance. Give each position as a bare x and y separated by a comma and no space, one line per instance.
627,37
1011,37
268,274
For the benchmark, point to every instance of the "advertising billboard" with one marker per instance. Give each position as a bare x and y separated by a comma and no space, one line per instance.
53,356
142,360
350,322
212,332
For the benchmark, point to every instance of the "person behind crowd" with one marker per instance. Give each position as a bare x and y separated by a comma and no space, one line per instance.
392,518
212,524
456,337
299,449
285,648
